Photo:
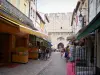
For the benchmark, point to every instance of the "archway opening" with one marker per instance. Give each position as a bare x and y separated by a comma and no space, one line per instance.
60,46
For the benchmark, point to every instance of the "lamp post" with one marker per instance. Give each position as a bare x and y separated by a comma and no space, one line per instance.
80,17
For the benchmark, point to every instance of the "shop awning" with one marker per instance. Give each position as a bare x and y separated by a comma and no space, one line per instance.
92,26
33,32
49,43
23,29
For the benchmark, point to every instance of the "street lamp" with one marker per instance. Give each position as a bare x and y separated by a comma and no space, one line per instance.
81,19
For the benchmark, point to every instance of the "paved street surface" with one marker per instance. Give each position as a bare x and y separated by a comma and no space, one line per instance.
56,67
33,67
53,66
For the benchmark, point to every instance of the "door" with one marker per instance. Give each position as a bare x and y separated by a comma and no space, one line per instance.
4,47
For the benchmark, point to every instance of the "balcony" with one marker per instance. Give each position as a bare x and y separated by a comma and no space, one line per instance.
11,11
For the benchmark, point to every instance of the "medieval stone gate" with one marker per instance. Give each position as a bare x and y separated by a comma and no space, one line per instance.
59,38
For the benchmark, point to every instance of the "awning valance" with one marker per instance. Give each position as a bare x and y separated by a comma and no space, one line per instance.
33,32
92,26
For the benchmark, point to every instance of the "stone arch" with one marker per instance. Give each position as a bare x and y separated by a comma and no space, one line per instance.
60,45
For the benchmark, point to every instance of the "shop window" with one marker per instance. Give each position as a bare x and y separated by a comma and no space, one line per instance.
38,43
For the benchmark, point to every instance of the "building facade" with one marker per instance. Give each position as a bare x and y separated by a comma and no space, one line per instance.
22,5
59,28
94,10
89,17
32,11
17,31
80,16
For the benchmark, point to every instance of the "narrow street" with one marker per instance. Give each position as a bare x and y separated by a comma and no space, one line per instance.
34,32
56,67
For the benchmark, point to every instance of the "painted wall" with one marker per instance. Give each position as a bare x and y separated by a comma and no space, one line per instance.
22,5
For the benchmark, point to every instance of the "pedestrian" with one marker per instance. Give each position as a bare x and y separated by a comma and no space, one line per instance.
39,52
44,52
62,52
67,53
72,52
47,53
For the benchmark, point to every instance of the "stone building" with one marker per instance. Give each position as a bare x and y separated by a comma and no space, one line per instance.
59,28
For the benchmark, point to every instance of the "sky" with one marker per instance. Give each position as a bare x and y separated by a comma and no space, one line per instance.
56,6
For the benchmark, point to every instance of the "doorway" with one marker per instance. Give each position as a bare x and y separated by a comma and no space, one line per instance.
60,46
4,47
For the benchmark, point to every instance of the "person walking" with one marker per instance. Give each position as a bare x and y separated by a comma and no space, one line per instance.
39,52
47,53
67,53
62,52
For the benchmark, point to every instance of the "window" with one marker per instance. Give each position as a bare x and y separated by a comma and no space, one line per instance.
90,1
31,11
34,1
25,8
17,3
98,3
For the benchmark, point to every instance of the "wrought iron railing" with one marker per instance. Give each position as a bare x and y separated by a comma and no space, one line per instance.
13,12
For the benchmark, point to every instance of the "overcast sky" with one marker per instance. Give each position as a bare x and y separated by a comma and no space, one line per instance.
53,6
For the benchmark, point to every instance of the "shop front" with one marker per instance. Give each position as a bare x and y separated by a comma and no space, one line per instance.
35,43
11,39
91,35
7,31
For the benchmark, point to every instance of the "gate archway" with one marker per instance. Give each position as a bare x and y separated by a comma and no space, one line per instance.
60,45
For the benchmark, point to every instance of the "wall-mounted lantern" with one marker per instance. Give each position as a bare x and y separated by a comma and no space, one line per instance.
80,17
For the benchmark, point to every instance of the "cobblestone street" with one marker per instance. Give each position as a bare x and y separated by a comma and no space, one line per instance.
56,67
